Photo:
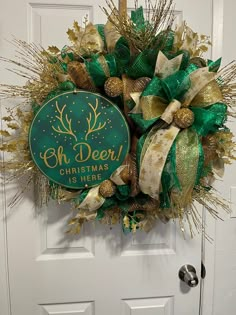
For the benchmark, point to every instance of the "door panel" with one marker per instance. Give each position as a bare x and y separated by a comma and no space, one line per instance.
101,271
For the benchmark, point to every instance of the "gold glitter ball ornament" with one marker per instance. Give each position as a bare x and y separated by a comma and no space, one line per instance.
107,188
113,87
184,118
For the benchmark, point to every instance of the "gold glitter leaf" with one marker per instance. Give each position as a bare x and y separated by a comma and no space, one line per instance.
7,118
71,35
76,26
4,133
126,221
134,227
72,221
203,48
115,218
11,147
53,49
19,112
13,126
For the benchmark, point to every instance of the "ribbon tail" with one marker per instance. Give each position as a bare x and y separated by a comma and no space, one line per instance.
111,34
189,163
154,160
92,201
116,176
166,67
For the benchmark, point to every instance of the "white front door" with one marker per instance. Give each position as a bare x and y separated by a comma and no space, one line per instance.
102,271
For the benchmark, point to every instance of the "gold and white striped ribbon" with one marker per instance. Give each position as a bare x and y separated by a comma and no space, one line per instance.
154,160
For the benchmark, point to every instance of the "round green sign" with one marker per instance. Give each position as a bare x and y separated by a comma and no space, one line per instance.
78,139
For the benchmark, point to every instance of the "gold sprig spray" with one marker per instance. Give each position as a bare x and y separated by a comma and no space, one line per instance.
34,64
227,82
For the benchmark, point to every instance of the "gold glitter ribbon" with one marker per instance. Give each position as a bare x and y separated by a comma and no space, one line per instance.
210,94
154,160
111,34
187,157
199,79
104,65
152,106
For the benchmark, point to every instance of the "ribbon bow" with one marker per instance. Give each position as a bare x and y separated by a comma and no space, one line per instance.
170,89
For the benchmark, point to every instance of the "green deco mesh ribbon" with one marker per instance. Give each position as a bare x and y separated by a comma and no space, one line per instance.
96,70
143,65
208,120
115,63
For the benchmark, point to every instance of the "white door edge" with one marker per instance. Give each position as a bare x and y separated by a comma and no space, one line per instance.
208,250
208,259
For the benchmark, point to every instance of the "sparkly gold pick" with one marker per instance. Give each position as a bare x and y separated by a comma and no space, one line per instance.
165,67
34,64
158,15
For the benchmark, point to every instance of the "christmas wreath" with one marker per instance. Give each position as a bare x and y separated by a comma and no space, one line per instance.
127,123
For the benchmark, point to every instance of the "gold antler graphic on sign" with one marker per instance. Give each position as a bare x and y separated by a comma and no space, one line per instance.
65,123
92,126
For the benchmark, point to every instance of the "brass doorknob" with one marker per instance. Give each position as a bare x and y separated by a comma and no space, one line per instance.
187,274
